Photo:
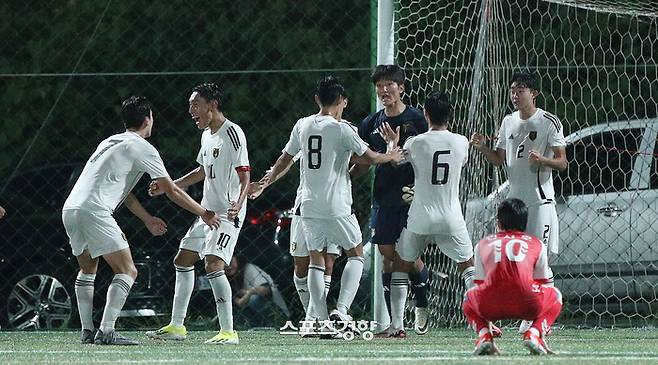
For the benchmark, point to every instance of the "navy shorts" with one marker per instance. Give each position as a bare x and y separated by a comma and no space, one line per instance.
388,222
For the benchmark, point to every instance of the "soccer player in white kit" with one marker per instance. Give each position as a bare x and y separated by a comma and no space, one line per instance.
435,216
298,248
326,196
531,144
105,182
224,170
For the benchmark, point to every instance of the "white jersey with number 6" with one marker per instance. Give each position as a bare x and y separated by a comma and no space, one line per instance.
112,171
326,145
437,158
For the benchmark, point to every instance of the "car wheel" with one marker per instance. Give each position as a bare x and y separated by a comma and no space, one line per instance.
39,302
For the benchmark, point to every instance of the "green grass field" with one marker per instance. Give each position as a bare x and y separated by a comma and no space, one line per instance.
635,346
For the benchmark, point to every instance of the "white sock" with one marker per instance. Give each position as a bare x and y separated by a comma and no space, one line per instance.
327,284
221,289
349,283
318,301
84,294
301,285
467,276
116,297
399,291
182,293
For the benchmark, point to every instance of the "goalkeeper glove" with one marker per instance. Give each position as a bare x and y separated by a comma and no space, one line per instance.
407,194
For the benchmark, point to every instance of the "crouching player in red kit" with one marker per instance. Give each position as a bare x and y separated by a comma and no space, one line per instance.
510,268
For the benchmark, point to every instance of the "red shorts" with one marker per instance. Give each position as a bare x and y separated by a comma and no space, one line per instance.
494,304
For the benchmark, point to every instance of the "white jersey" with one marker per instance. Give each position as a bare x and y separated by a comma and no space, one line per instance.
112,171
326,146
437,158
540,132
222,154
298,194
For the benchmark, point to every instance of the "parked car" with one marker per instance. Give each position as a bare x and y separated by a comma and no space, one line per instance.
607,206
38,269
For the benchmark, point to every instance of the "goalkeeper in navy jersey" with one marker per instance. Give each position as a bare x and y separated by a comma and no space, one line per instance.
389,211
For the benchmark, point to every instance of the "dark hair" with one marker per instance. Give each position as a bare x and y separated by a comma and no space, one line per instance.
329,90
210,91
437,105
525,78
388,72
134,110
512,215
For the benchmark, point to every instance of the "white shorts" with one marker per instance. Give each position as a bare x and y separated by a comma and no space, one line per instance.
322,232
543,224
97,232
217,242
458,246
298,246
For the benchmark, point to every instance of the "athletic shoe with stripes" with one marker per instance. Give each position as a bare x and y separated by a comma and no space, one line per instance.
168,332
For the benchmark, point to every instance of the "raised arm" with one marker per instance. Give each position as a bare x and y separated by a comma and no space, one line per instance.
495,157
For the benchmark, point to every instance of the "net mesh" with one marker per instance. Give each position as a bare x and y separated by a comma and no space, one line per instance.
597,62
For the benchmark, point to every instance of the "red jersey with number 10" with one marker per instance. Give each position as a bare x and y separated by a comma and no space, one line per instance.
510,259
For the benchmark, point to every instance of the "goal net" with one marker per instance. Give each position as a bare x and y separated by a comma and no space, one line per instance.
597,65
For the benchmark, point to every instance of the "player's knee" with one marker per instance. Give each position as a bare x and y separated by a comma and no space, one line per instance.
131,271
301,267
214,264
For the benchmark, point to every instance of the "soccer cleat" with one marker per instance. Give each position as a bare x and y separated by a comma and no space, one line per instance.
525,326
485,345
398,334
113,338
342,322
534,343
384,334
421,324
224,338
87,336
168,332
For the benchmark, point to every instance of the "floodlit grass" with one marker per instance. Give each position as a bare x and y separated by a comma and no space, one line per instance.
635,346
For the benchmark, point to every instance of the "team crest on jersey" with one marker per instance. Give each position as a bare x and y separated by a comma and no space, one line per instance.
215,152
532,135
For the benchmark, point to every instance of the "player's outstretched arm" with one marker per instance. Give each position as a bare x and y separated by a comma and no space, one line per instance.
371,157
256,188
155,225
279,166
495,157
188,179
180,197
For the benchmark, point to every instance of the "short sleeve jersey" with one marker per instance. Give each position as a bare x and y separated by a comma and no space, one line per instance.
510,258
112,172
437,158
389,180
222,154
517,137
326,146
